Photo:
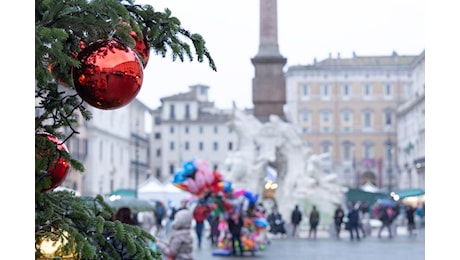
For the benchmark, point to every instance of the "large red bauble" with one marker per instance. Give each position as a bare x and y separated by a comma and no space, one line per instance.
141,47
110,75
59,166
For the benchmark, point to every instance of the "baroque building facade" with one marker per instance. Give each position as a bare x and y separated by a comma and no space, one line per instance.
348,107
411,132
187,126
113,146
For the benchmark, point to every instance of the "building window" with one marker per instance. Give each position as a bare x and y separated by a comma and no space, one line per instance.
325,116
200,146
101,152
388,90
305,91
187,129
215,146
367,91
305,130
157,136
216,129
347,151
171,129
367,120
346,91
325,147
158,173
172,114
325,92
230,146
158,152
186,145
111,152
85,147
388,119
347,121
305,116
326,121
157,120
171,146
187,111
368,150
408,90
230,130
171,169
200,130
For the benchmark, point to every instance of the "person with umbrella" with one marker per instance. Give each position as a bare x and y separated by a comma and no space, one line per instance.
385,215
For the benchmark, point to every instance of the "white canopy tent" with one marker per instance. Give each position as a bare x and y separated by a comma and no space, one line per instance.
153,190
369,187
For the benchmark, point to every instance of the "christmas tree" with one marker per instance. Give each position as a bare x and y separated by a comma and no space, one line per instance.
74,42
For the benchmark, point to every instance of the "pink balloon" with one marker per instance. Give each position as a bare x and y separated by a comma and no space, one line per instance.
199,179
208,177
238,192
192,186
201,165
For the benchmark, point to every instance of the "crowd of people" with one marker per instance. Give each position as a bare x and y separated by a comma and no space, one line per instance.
179,224
354,219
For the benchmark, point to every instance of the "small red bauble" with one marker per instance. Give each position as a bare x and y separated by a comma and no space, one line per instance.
110,75
142,48
59,167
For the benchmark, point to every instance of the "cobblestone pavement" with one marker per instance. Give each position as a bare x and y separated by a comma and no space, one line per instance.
325,247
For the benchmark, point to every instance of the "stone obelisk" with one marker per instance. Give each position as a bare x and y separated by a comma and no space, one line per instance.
268,84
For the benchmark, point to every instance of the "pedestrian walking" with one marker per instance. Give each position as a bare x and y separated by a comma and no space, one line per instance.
362,218
353,220
410,216
276,222
338,220
214,227
124,215
160,213
296,218
146,220
180,245
314,221
385,216
235,225
200,214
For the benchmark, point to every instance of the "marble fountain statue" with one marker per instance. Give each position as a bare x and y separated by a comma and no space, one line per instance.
278,144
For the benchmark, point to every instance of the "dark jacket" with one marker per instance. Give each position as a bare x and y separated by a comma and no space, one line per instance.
353,217
235,227
338,216
296,216
314,217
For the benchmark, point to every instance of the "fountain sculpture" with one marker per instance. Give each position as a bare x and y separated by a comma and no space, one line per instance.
278,144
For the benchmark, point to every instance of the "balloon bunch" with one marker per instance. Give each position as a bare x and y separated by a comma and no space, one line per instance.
252,197
196,177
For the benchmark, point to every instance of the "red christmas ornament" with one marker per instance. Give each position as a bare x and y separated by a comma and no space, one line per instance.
59,167
110,75
141,47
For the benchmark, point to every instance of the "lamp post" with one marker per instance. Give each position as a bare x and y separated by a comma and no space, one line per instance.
389,146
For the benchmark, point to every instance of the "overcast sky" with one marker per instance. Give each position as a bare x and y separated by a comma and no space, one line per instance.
306,30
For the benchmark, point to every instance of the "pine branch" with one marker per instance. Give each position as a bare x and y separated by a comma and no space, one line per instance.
62,29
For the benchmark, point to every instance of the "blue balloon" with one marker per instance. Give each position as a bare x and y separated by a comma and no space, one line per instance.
189,167
227,186
179,176
252,197
261,222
